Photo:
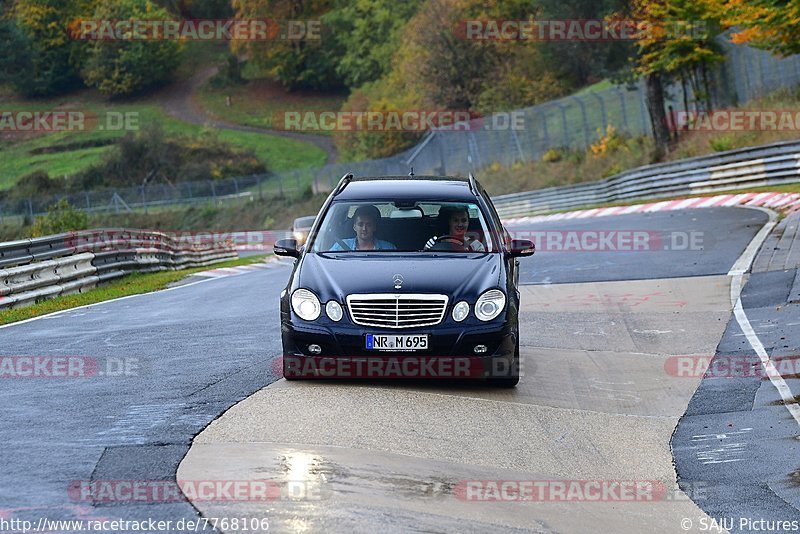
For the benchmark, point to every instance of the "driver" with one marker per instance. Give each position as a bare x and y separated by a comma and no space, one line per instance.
457,218
365,224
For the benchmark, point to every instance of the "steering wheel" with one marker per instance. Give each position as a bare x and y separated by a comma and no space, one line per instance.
449,242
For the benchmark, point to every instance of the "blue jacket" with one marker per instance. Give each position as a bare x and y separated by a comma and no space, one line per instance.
352,243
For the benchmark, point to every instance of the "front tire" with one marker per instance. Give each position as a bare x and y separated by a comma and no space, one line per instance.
512,379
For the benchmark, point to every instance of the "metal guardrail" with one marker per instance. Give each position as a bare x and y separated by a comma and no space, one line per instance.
766,165
32,270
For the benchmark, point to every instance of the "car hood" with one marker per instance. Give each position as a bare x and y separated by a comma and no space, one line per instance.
455,275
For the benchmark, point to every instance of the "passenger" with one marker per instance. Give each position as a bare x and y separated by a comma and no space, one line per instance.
457,218
366,219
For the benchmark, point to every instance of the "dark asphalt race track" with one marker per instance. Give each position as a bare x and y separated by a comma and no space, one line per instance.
737,437
723,232
201,348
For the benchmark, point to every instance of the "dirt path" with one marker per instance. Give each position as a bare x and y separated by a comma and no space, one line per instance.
180,102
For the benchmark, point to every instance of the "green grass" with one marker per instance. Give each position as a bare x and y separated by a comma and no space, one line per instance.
276,153
602,85
132,284
259,102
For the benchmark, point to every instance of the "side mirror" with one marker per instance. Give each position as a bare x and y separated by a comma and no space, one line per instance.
286,247
521,248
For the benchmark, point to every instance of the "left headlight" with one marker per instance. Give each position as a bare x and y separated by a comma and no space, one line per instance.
490,304
306,304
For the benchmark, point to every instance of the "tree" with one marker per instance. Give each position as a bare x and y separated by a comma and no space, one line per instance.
15,56
368,32
582,63
673,50
770,24
447,70
125,67
304,63
53,55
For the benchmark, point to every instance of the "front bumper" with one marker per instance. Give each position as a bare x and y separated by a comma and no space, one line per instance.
450,353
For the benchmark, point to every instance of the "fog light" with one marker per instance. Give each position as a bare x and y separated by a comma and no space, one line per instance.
334,310
480,349
314,349
460,311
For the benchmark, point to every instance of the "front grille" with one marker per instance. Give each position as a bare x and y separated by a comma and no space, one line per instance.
397,311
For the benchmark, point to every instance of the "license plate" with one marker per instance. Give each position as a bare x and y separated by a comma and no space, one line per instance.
393,342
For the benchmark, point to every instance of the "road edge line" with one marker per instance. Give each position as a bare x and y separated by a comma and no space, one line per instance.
737,273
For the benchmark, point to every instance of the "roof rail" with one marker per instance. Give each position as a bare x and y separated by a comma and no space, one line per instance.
343,183
473,186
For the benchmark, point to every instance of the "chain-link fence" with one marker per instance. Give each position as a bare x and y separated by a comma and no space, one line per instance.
579,120
571,122
157,196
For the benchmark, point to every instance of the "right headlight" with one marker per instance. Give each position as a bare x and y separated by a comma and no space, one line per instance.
490,304
306,304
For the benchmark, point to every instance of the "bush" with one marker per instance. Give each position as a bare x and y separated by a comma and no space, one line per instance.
551,156
722,143
61,217
609,143
151,156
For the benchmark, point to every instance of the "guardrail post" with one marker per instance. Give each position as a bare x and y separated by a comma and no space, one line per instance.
213,191
236,185
30,208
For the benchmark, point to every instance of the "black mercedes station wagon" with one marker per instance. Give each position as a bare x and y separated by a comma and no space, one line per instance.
406,277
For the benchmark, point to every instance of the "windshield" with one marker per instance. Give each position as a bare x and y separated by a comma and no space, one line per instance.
424,226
